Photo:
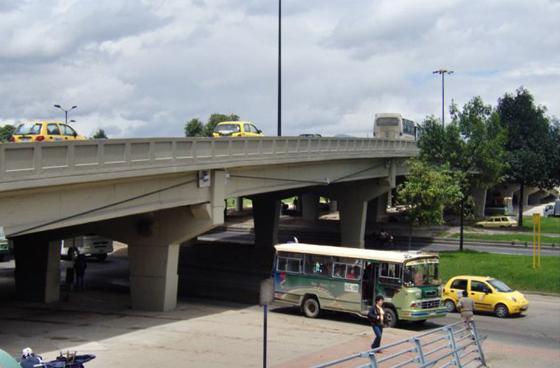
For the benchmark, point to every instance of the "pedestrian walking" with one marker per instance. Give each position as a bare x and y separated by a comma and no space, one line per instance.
376,316
80,266
466,307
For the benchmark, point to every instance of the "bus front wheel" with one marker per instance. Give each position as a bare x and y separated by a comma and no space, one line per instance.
390,317
310,307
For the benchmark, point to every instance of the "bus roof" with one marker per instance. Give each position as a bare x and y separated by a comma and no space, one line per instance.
377,255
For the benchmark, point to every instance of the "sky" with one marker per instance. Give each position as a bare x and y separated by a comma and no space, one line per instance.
144,68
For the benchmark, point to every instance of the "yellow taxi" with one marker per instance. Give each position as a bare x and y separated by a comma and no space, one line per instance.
498,221
44,131
236,129
488,294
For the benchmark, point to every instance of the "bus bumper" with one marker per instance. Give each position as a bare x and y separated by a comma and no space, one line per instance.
421,314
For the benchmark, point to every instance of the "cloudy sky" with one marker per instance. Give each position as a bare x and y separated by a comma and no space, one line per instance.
143,68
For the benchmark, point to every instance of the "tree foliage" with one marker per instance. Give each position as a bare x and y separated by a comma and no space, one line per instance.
6,132
531,156
196,128
427,190
100,134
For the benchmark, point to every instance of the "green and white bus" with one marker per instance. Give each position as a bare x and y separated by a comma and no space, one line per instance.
317,277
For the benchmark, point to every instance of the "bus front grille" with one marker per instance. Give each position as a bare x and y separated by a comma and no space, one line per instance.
428,304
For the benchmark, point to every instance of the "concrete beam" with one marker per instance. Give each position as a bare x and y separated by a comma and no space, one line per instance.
37,273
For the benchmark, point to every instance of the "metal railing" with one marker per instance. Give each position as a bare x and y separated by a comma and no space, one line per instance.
450,346
57,158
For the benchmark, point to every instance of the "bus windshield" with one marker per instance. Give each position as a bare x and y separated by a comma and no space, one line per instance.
387,121
421,273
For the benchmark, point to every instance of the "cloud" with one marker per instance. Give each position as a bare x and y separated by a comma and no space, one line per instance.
141,69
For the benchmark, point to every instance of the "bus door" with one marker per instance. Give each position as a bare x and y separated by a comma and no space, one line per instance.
368,285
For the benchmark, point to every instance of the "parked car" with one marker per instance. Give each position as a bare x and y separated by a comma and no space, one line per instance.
497,221
4,246
47,131
90,245
489,295
236,129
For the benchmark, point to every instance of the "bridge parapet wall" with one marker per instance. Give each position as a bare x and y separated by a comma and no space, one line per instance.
25,165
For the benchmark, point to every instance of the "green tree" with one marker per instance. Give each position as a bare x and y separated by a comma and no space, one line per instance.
6,132
214,119
528,144
194,128
472,144
425,193
100,134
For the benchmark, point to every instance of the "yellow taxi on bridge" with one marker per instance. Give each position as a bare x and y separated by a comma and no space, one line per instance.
44,131
488,294
236,129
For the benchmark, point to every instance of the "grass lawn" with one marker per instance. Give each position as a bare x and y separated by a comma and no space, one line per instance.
516,237
516,271
549,225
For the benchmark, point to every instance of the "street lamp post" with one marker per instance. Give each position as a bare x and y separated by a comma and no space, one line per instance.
443,72
279,68
65,112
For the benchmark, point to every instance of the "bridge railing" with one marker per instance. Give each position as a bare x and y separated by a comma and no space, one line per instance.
449,346
43,159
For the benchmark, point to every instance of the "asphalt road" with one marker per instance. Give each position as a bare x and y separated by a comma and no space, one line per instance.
247,237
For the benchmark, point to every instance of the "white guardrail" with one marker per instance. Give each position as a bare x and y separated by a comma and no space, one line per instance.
39,160
453,345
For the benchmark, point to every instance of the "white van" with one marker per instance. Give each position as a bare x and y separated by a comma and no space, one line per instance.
90,245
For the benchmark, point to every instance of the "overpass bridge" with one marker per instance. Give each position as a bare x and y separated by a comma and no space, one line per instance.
154,194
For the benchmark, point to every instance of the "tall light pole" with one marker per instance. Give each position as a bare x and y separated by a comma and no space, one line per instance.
65,112
279,68
443,72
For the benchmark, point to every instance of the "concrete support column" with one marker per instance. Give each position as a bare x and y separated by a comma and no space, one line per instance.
381,209
310,206
153,276
353,206
239,204
37,273
333,205
266,213
479,198
353,221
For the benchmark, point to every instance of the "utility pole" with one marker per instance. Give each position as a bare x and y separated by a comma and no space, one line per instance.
279,68
442,72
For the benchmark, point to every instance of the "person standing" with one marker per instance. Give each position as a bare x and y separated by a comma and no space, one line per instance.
80,266
466,307
376,316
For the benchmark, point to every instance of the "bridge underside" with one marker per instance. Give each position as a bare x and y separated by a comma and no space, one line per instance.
155,214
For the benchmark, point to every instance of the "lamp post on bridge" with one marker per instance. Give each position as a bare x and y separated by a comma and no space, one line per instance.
442,72
65,112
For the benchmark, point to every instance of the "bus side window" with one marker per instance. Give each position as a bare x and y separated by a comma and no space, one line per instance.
318,265
390,273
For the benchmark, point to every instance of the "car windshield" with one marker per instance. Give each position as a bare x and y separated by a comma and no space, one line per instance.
500,286
28,128
422,272
227,128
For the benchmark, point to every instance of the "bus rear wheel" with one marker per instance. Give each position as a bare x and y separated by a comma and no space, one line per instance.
310,307
390,317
